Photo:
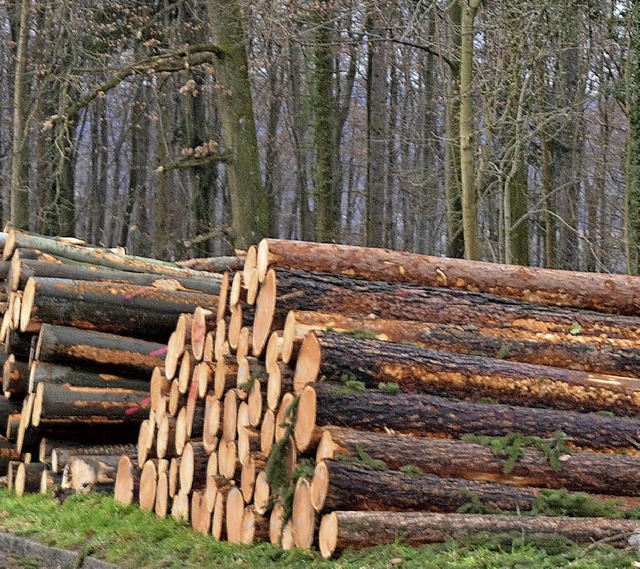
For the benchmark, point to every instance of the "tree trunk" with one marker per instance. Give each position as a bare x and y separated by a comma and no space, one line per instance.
579,471
469,377
348,486
250,213
108,307
598,355
82,403
109,353
20,150
428,415
92,255
22,270
377,92
63,375
469,9
340,530
545,286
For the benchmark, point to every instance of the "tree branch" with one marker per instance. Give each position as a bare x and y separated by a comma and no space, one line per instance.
172,62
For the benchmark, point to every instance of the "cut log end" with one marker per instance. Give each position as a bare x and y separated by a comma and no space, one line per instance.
28,300
305,423
250,262
319,486
261,493
263,319
267,432
253,285
328,535
148,485
262,259
303,515
234,513
274,351
308,363
223,296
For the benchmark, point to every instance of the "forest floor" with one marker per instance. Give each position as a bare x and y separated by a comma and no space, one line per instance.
96,525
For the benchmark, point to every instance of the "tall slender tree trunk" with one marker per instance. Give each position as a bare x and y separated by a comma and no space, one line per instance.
453,195
20,150
467,174
324,127
377,91
249,211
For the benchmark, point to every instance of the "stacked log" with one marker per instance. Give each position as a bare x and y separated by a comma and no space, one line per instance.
336,396
83,329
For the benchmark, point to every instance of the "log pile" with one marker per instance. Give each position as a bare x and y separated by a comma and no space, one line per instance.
337,396
83,328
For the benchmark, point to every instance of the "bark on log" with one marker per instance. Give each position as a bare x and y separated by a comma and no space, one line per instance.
88,472
578,471
347,486
65,402
596,355
339,530
28,478
18,344
618,294
426,415
15,375
22,270
214,264
96,256
109,353
78,377
299,290
470,377
61,453
144,312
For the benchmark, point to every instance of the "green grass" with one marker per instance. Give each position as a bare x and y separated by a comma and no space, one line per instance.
96,525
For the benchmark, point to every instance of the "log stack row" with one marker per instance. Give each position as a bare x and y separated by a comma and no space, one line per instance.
83,330
336,396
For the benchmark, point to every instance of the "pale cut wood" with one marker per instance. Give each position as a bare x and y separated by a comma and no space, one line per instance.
177,400
173,355
254,528
234,509
211,428
223,297
226,371
235,325
209,347
148,484
187,363
236,290
276,523
250,262
127,485
253,286
263,318
218,518
285,417
183,332
200,515
248,443
262,493
159,387
267,432
28,478
274,351
161,507
303,517
203,375
220,340
193,467
204,320
244,343
280,381
174,476
230,416
180,507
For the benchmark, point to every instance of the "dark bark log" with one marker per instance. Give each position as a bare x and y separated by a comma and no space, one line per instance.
61,452
109,307
607,293
578,471
15,376
435,416
78,377
65,402
572,351
339,530
470,377
22,270
108,353
299,290
18,344
346,486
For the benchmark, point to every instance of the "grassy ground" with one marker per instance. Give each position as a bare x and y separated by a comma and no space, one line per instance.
129,537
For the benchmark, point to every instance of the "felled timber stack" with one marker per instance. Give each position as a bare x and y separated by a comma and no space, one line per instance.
337,396
83,330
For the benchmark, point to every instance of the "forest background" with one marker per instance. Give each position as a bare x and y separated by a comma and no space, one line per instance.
507,131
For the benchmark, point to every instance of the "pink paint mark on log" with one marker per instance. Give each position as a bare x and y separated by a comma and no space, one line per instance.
159,352
141,407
